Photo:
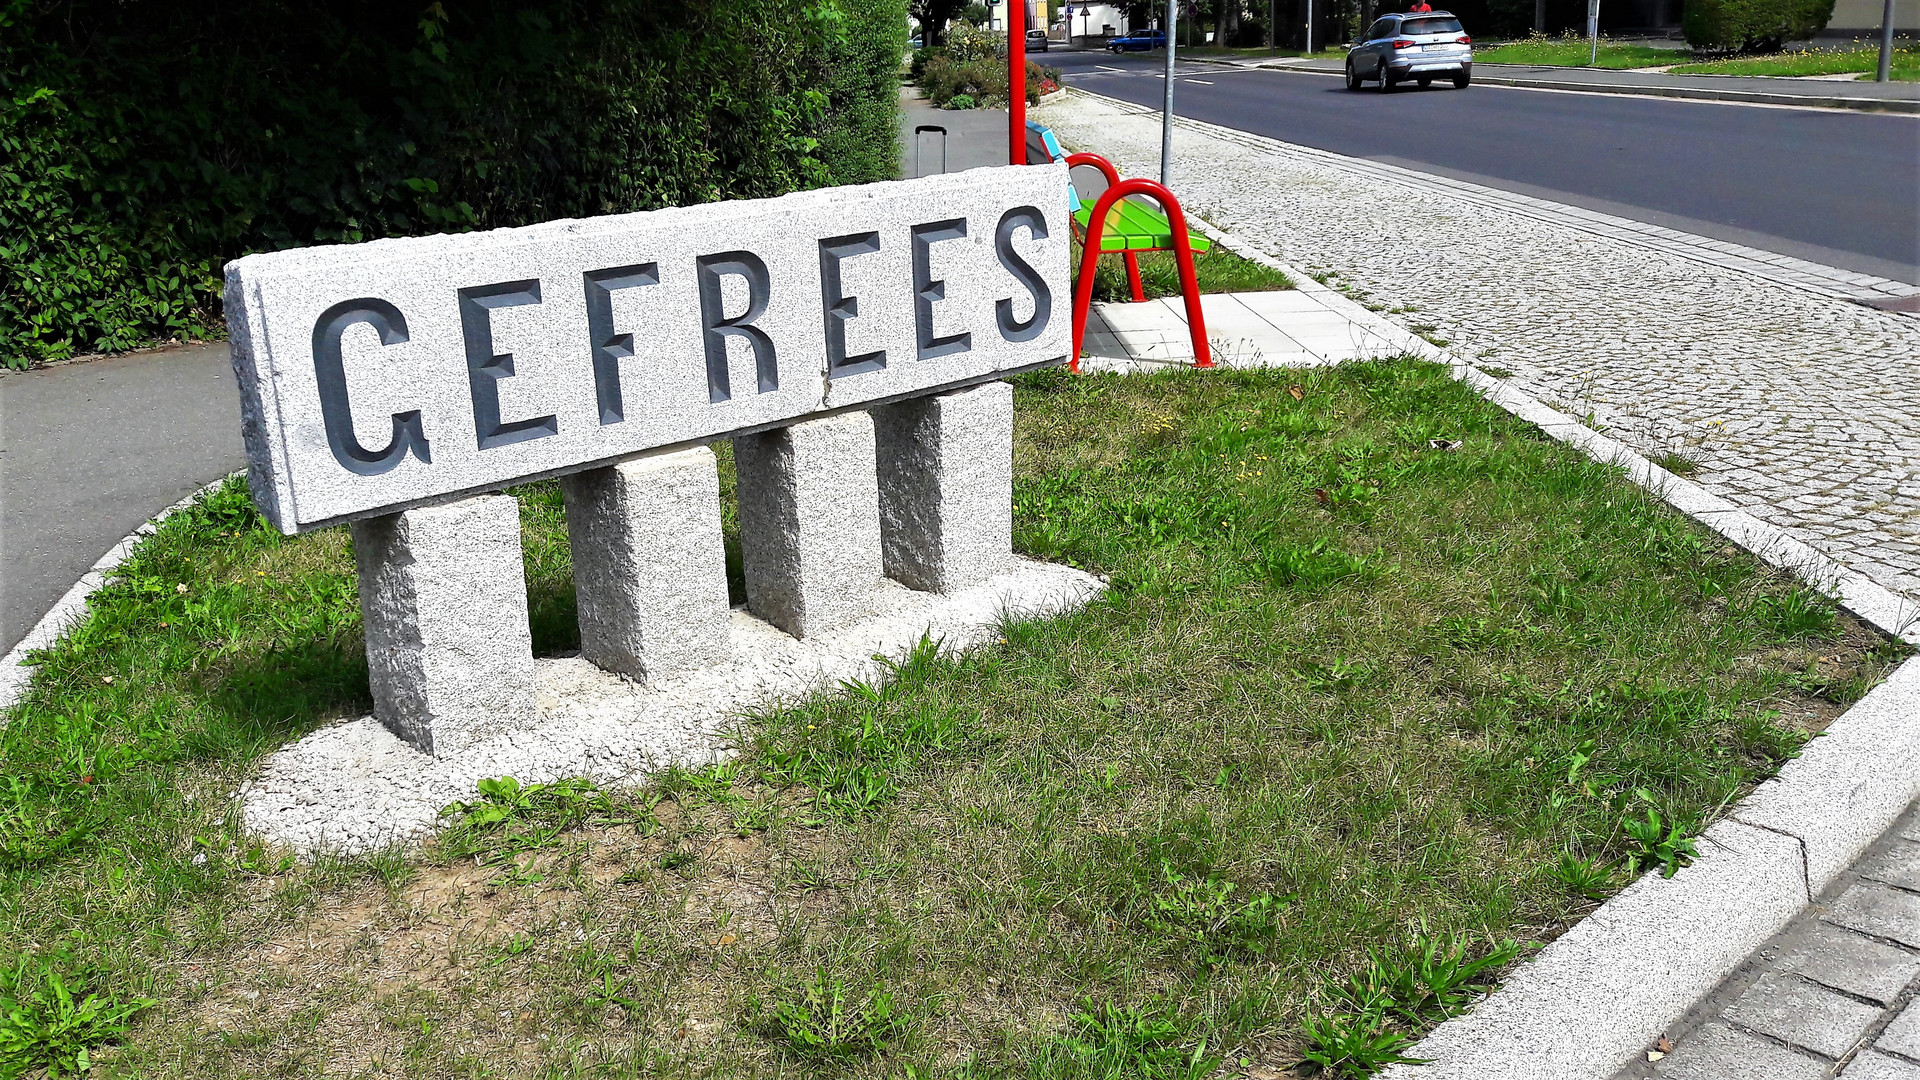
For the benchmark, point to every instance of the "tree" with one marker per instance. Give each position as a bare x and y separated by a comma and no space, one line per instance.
933,17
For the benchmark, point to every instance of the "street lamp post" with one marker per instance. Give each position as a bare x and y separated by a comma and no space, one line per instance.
1166,107
1885,70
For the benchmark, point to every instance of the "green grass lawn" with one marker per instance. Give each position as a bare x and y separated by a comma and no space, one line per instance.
1905,66
1354,697
1217,271
1574,52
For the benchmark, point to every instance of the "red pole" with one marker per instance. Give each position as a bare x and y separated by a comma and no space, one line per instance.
1016,82
1182,256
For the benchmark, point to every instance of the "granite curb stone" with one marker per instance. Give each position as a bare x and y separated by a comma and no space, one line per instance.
1853,781
1588,1000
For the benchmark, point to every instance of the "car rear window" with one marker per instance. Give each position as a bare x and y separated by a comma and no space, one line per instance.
1430,26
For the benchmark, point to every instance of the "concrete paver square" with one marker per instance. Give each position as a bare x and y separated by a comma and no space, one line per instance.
1903,1035
1231,319
1279,305
1909,827
1246,352
1847,961
1156,344
1152,315
1718,1052
1880,910
1306,320
1795,1011
1873,1065
1898,865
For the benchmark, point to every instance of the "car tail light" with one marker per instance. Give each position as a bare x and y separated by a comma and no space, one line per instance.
1403,43
1464,39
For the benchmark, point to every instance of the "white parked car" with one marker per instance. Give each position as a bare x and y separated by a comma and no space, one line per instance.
1418,46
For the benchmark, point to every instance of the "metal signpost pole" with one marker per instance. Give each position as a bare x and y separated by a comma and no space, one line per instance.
1016,82
1885,70
1166,108
1309,27
1593,30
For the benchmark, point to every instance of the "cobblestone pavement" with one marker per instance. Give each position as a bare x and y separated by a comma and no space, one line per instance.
1832,995
1799,406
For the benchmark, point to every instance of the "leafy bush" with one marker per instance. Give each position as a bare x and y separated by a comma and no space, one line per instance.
944,78
262,125
1752,26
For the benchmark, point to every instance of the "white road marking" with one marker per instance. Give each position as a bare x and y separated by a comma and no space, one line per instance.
1641,97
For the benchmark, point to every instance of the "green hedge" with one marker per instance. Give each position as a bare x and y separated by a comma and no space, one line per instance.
1752,25
143,143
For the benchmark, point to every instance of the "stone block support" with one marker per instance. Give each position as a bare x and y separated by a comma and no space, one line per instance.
946,487
649,566
810,522
443,596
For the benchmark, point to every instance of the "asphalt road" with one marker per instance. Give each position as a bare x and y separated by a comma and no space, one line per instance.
88,451
1826,185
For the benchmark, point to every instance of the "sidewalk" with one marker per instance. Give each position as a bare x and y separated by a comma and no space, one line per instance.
1756,89
91,450
972,137
1287,328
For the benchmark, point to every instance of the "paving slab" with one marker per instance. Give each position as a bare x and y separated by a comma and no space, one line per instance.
1851,962
1898,864
1721,1053
1881,911
1873,1065
1803,1014
1902,1036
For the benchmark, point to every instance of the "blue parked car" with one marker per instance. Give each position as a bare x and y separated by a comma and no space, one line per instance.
1141,42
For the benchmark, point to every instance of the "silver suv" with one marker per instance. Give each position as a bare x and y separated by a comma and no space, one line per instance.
1419,46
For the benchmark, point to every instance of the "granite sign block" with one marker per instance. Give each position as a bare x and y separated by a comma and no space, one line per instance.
380,376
